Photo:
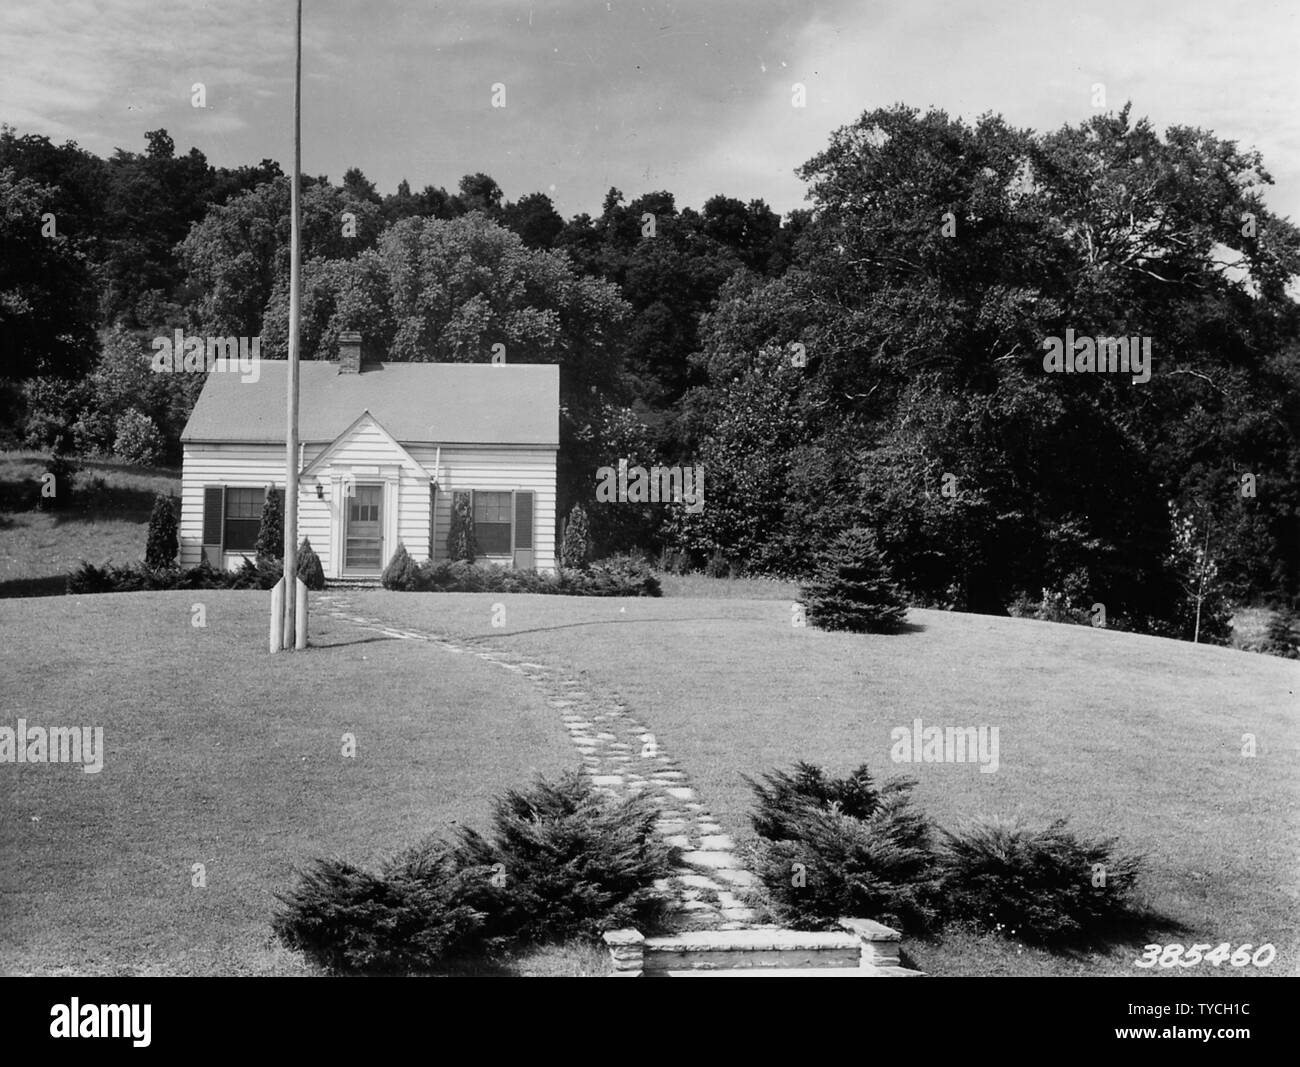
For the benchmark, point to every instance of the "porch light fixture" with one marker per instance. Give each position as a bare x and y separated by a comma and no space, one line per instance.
320,491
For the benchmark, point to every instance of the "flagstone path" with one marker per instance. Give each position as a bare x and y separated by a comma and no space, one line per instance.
621,757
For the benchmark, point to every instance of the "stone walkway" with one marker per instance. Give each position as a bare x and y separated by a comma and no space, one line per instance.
621,756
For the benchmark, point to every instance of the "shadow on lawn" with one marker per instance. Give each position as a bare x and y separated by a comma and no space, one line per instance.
312,642
510,966
87,503
20,494
460,969
53,585
1133,931
113,502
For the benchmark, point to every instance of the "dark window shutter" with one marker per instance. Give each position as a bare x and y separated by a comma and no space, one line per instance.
214,508
214,499
523,518
433,512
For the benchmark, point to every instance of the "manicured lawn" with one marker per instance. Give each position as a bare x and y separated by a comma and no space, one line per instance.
700,586
221,754
1134,736
218,753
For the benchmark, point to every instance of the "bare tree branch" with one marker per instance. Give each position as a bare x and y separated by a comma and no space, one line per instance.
1198,374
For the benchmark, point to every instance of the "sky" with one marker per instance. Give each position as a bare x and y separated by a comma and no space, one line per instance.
692,97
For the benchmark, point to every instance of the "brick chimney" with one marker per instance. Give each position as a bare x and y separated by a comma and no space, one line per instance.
350,352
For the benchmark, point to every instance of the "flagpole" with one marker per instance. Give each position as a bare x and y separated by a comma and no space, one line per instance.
295,283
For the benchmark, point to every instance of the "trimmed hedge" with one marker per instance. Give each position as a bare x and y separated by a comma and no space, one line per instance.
140,577
782,797
407,918
568,863
617,576
833,847
613,576
562,861
844,847
1042,884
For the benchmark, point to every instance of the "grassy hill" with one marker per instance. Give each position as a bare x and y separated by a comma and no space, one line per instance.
1135,736
221,754
217,749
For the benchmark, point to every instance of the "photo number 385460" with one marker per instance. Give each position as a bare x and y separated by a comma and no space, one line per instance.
1176,956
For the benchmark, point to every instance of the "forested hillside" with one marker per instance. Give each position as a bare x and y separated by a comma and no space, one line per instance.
877,359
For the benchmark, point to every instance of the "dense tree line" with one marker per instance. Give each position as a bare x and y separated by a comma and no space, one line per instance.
874,361
939,259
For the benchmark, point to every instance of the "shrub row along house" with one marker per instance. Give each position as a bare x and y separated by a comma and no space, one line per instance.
386,448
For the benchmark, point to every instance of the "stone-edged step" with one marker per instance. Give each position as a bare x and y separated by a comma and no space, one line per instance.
795,972
866,949
736,949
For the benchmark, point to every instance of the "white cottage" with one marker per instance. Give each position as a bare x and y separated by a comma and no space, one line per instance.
385,448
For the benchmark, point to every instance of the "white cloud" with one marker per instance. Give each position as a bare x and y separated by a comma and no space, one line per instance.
78,62
1229,68
644,95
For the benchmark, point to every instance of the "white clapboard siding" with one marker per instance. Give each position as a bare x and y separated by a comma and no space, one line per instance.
462,467
234,466
315,518
467,467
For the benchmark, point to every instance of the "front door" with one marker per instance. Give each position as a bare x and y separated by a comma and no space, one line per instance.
364,536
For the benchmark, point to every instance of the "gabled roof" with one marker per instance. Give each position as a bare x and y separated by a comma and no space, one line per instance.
341,442
444,403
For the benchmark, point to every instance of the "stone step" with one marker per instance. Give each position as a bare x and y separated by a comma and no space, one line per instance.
865,949
696,921
743,949
792,972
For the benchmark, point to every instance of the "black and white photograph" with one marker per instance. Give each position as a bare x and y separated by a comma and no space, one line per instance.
597,488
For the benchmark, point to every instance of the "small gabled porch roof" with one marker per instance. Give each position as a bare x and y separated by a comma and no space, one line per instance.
340,444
